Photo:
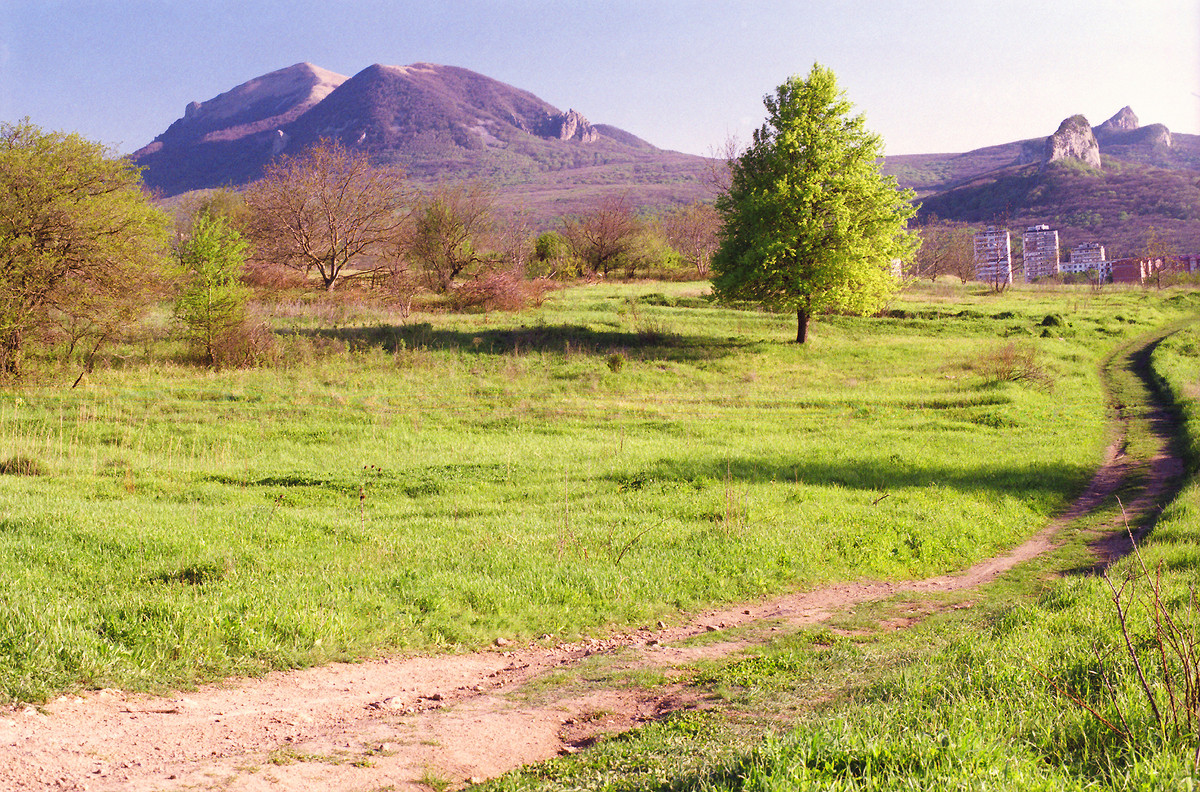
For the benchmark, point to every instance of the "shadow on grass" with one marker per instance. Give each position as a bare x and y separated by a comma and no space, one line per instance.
1048,483
651,342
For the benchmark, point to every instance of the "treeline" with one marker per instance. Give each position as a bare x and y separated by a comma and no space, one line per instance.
84,254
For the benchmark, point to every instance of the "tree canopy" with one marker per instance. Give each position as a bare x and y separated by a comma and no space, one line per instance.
810,222
80,243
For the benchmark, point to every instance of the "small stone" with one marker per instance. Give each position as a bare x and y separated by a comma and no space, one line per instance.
502,642
710,628
662,625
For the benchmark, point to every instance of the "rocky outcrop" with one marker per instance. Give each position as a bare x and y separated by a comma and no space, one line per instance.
1156,135
570,125
1073,140
1124,121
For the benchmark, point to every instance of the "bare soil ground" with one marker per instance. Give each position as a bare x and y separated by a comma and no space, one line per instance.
444,721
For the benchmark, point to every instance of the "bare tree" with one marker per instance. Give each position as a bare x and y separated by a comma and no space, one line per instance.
601,238
327,210
692,230
947,248
1158,251
449,231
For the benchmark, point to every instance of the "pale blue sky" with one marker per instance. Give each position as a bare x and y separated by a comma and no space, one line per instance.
930,75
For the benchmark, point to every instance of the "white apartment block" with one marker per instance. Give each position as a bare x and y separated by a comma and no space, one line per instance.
1088,256
993,256
1040,245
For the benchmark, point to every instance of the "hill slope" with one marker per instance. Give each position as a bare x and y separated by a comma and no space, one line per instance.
1147,177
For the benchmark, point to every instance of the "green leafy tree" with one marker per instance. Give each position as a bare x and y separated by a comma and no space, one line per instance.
80,243
212,302
810,222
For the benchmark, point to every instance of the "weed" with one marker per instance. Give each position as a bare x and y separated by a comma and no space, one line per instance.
1015,362
22,466
435,780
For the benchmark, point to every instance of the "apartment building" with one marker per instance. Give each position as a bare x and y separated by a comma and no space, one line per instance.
1088,257
1040,246
993,256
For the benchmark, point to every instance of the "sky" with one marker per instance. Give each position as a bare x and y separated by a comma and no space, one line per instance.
930,76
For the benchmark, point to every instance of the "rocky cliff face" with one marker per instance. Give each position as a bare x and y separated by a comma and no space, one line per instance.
1124,121
570,125
1073,140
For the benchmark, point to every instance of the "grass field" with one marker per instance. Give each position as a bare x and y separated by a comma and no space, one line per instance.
618,455
1035,686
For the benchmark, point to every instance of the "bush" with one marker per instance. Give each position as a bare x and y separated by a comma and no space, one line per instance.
499,290
21,466
1014,362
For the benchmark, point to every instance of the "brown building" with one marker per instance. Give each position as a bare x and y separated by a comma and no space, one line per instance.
1134,270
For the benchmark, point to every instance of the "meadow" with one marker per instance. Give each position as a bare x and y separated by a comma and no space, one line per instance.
622,453
1060,676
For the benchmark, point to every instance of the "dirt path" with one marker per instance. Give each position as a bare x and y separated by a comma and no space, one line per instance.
424,722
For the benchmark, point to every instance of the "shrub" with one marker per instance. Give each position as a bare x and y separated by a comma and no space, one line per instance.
499,290
21,466
1014,362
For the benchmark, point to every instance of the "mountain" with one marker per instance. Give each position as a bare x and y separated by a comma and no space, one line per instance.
438,122
1120,138
1108,184
227,139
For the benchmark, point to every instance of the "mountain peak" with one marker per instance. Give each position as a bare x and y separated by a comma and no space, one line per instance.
424,116
264,103
1124,121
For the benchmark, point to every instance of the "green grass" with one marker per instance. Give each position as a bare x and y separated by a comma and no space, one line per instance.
435,484
1007,695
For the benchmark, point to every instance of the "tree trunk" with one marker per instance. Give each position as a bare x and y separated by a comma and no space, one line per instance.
801,325
10,354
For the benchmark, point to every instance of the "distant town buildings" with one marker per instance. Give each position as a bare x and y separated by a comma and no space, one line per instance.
993,256
993,259
1088,256
1040,252
1142,269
